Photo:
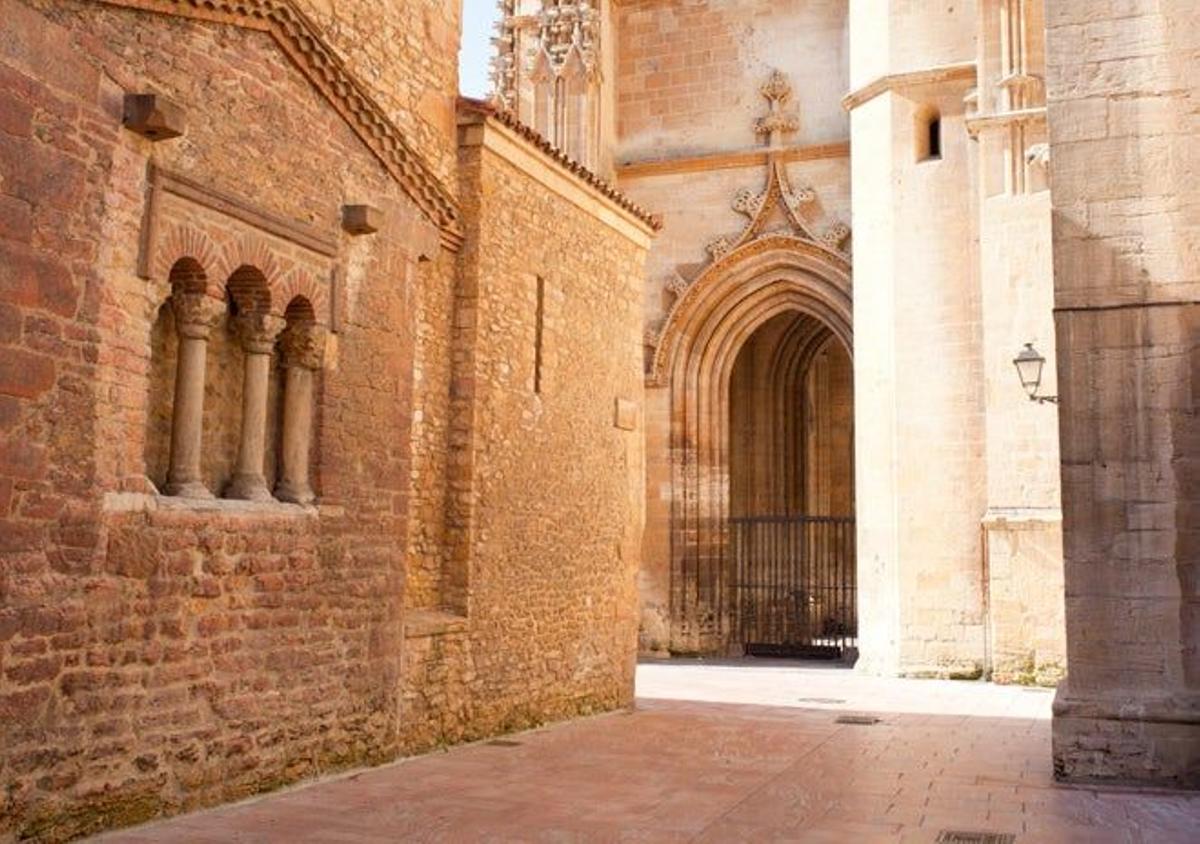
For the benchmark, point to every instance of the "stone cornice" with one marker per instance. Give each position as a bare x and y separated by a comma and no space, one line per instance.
1004,119
964,72
730,160
301,40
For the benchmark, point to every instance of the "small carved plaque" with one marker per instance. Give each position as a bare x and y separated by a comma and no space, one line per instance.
626,415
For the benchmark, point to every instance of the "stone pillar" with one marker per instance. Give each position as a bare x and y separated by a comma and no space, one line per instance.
303,349
195,317
1124,140
257,332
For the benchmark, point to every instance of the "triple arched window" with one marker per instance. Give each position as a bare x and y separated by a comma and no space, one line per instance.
232,389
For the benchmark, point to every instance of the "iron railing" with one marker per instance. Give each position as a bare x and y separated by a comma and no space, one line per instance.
795,584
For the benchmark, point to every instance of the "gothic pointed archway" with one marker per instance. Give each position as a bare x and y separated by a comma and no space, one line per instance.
792,282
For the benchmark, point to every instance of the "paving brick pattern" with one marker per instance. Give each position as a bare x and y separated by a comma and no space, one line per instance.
699,761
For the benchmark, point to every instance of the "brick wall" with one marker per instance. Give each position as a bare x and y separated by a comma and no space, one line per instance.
160,654
157,655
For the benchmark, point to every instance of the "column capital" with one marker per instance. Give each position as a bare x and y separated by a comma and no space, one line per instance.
258,332
303,346
196,314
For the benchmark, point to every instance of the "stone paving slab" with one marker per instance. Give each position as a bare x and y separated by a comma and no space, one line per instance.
728,752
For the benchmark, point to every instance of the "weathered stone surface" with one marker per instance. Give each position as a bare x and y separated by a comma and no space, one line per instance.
1127,276
159,653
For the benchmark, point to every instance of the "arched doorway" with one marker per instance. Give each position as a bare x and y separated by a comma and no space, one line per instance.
791,496
782,304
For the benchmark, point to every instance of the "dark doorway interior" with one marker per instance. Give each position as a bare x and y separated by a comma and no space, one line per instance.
792,530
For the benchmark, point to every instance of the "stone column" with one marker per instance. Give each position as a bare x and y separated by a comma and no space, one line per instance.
1128,314
303,349
257,333
195,317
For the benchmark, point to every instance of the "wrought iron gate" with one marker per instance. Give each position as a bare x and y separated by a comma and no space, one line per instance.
795,585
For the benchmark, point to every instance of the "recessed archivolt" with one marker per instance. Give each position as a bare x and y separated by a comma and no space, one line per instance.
817,274
282,280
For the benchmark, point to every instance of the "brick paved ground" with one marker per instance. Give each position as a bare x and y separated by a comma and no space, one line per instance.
732,752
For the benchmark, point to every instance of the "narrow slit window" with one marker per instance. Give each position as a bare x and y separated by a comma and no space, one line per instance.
929,135
539,331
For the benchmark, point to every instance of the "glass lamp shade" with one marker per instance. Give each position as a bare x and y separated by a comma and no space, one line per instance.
1029,365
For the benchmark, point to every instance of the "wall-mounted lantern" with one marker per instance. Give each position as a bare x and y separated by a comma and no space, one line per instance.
1029,364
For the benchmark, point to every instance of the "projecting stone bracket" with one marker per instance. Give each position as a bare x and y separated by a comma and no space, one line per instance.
361,219
153,116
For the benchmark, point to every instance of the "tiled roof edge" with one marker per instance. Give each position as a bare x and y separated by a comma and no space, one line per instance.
510,122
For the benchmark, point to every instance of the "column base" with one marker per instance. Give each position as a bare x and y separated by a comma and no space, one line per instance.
188,489
294,493
1123,738
248,488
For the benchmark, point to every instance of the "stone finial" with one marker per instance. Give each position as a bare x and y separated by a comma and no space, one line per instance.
196,314
776,88
796,198
361,219
836,235
719,247
303,346
153,116
747,202
258,332
777,91
677,285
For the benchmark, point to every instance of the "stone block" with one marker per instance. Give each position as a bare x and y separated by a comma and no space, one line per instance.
626,415
154,117
361,219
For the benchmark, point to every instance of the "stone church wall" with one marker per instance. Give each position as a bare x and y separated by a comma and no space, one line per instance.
468,565
159,654
406,53
919,401
545,535
687,96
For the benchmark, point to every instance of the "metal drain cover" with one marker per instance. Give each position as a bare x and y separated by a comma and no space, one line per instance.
952,836
503,743
857,720
829,701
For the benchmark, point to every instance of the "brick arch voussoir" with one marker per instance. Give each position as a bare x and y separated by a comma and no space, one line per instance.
187,241
253,251
300,282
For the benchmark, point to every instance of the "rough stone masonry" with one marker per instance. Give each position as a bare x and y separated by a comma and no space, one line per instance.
279,494
341,418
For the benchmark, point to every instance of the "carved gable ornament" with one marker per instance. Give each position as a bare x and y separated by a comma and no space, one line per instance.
778,212
777,208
